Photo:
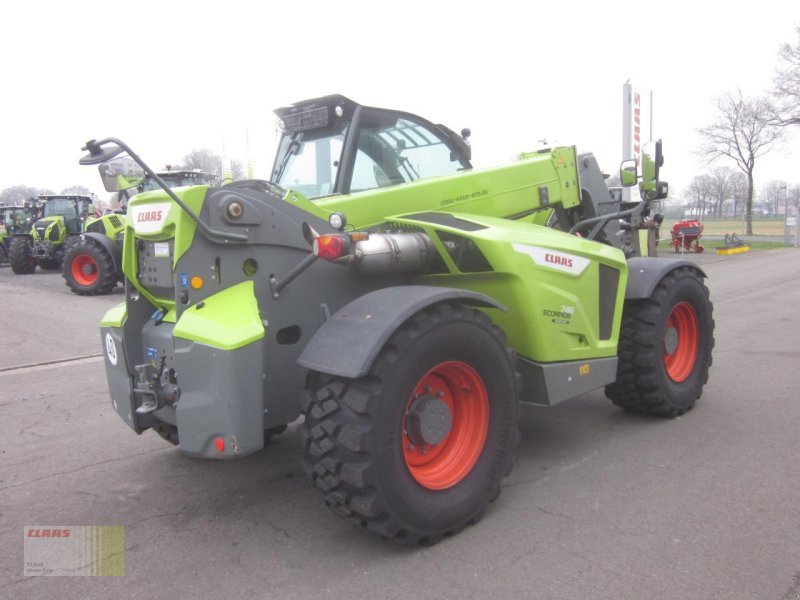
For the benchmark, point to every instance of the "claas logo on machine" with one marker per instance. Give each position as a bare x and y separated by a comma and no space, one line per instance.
149,216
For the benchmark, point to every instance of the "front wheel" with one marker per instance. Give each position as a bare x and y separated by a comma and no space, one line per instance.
665,347
89,269
22,260
417,448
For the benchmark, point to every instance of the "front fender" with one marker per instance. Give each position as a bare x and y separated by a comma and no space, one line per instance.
644,273
347,344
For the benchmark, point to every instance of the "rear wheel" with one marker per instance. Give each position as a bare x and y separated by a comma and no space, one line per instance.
20,256
665,347
89,269
417,448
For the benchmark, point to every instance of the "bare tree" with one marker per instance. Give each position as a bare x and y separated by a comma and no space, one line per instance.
699,193
741,132
786,85
16,195
237,170
78,190
772,194
204,159
721,187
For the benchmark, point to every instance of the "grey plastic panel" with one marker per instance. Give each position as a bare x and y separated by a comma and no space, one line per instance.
547,384
120,385
221,396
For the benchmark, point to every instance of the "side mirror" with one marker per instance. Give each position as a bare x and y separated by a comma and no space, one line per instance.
627,173
121,174
99,153
652,159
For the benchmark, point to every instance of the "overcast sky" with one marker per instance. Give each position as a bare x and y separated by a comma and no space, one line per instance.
168,77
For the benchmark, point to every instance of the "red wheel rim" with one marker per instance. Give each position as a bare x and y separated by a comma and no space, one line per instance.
443,465
681,338
84,269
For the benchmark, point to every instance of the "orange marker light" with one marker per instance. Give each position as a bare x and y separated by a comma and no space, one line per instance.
220,444
197,282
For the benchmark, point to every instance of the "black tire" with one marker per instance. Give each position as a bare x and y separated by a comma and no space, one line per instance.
354,431
3,253
89,270
659,371
69,243
20,256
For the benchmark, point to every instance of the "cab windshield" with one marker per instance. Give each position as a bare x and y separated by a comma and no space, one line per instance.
60,207
14,216
308,161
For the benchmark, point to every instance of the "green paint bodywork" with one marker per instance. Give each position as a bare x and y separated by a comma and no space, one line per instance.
107,223
533,292
226,320
115,317
510,191
55,222
177,226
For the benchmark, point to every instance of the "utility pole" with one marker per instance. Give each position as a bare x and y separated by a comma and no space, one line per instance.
786,241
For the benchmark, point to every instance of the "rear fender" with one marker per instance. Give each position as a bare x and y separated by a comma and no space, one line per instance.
110,246
348,342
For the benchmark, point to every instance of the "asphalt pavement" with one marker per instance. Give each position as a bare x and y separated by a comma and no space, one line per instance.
600,504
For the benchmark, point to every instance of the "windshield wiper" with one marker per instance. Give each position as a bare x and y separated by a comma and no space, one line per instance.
294,146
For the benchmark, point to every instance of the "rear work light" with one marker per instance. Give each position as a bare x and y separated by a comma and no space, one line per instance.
332,246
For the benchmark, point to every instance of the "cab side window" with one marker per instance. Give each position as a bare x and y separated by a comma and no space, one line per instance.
393,150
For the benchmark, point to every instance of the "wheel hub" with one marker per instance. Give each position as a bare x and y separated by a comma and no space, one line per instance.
445,425
84,270
429,420
670,340
681,342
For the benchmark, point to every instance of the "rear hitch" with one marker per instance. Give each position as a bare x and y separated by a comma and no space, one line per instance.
150,393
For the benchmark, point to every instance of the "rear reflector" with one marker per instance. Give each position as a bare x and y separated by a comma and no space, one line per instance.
331,246
220,444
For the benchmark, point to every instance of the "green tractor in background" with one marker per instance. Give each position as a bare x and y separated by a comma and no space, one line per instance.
403,303
14,220
94,266
63,218
179,178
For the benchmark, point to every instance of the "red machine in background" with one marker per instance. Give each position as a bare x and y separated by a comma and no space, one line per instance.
686,235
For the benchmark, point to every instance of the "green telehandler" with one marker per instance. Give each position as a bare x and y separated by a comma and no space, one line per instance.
400,301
